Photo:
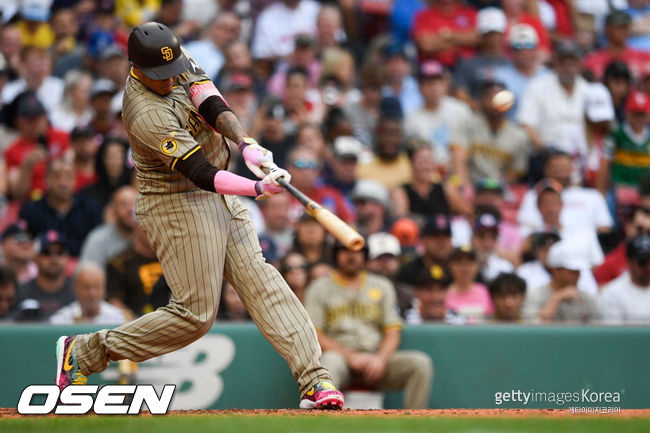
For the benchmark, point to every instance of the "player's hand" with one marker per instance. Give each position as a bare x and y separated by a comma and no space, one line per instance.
358,361
278,173
374,370
268,186
258,159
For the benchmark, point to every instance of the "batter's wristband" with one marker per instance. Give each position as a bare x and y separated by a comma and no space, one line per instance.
258,188
245,142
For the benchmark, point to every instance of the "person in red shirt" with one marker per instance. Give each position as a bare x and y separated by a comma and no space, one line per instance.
304,167
37,143
445,31
617,31
616,260
82,142
516,14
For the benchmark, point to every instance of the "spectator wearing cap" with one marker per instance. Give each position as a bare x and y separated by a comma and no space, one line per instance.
384,252
429,299
519,13
523,41
560,300
491,25
485,241
364,114
372,203
277,226
18,251
8,285
440,115
584,208
106,120
627,149
340,172
89,283
466,297
626,300
552,106
507,292
638,224
426,194
209,50
618,79
399,82
390,165
35,76
303,56
445,31
67,53
238,89
131,278
112,238
305,167
618,26
36,144
436,242
61,210
33,17
74,109
44,295
489,144
272,40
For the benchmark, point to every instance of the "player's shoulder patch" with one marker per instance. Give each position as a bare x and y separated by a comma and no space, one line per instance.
168,145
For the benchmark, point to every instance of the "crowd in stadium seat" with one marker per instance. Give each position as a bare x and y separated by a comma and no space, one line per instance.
382,111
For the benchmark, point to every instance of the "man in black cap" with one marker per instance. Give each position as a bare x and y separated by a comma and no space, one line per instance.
436,238
18,251
618,29
43,296
627,298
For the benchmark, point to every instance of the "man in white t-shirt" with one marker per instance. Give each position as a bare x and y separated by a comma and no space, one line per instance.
440,115
552,106
279,24
582,207
90,307
209,51
627,298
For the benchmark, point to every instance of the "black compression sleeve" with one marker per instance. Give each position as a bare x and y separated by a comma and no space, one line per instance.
196,167
211,108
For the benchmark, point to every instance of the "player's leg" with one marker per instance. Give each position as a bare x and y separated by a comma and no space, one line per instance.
412,371
272,305
189,240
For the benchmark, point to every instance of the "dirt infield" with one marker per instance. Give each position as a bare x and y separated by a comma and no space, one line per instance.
506,413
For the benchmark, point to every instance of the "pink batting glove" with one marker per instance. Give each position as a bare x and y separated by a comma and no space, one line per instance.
257,158
268,186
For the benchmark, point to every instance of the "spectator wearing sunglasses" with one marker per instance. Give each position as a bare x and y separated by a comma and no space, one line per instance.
305,169
41,297
295,270
615,262
627,298
18,251
524,44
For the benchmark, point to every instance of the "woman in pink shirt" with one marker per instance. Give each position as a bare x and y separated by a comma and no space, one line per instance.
466,297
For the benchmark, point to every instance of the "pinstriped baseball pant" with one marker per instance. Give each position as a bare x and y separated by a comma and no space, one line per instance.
199,237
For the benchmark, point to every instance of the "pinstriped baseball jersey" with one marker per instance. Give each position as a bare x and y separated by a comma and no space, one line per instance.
199,237
163,129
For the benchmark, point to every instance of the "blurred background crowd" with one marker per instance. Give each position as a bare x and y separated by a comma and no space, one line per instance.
384,112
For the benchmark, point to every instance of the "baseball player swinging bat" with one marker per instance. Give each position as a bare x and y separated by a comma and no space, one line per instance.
333,224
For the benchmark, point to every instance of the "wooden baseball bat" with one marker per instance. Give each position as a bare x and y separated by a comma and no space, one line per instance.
333,224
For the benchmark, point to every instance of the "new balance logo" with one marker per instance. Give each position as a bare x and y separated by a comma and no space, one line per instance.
108,400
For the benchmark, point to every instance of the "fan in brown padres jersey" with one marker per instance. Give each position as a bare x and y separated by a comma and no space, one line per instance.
178,123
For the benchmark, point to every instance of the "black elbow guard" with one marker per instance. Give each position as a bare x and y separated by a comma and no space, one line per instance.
211,108
196,167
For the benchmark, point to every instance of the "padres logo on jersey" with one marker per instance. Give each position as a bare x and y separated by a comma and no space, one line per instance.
167,53
168,146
